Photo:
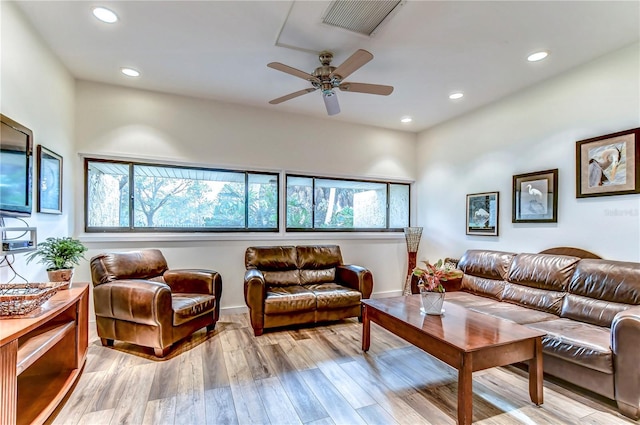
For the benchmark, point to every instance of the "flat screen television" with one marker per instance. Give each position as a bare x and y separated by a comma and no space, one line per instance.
16,166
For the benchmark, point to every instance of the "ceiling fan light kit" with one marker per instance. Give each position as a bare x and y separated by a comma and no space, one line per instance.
327,78
331,102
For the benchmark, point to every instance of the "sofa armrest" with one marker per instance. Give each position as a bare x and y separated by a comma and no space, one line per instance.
356,277
194,281
625,340
255,292
137,301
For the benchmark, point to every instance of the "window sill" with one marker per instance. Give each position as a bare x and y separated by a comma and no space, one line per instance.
191,237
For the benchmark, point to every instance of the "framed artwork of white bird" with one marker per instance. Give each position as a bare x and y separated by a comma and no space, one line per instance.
482,214
608,165
535,197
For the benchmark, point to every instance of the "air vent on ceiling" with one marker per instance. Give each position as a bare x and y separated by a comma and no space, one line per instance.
360,16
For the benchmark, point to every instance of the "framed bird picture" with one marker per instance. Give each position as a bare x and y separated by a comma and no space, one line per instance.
482,214
608,165
535,197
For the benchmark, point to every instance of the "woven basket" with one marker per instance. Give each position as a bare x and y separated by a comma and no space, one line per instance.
17,299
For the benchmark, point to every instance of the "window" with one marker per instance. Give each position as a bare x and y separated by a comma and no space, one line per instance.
315,203
127,196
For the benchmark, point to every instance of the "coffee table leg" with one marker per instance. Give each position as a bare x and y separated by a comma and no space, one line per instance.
366,329
465,392
536,374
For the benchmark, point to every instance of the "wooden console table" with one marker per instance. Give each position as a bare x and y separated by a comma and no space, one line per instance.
41,356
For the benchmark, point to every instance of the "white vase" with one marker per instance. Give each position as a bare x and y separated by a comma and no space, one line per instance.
431,302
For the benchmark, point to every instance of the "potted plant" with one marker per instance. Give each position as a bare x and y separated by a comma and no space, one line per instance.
430,281
59,255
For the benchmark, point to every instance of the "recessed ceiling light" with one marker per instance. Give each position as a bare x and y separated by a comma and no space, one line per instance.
130,72
538,56
406,119
105,15
456,95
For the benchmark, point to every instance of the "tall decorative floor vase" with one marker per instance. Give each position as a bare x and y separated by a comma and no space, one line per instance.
412,235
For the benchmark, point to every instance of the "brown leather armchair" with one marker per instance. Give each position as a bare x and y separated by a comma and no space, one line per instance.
286,285
139,300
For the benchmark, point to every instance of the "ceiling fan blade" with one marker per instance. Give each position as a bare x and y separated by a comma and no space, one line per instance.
367,88
290,96
331,102
352,64
293,71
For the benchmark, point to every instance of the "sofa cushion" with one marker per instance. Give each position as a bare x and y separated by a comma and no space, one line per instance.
278,264
485,271
616,281
551,272
577,342
535,298
317,276
316,257
271,258
590,310
317,263
333,295
289,299
468,300
599,289
483,286
143,264
539,280
189,306
281,278
514,313
487,264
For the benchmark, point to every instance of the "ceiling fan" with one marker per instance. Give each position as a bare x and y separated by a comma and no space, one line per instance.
327,77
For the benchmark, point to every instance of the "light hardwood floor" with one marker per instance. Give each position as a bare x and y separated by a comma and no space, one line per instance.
312,375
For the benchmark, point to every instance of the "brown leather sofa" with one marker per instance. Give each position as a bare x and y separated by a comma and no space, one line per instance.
139,300
589,309
286,285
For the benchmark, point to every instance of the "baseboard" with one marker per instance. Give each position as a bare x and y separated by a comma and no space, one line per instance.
234,310
387,294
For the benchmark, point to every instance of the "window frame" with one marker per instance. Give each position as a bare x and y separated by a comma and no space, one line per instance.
342,229
131,228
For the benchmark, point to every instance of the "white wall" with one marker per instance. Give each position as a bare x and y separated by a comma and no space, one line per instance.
38,92
124,122
534,130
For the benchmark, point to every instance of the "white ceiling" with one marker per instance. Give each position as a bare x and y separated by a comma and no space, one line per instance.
427,50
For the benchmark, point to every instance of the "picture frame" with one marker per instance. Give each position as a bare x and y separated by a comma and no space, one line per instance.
49,198
608,165
483,214
535,197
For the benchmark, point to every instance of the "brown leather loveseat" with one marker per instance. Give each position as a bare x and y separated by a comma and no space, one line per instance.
139,300
286,285
589,309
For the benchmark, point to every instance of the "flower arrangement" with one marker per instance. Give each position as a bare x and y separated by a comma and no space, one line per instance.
431,275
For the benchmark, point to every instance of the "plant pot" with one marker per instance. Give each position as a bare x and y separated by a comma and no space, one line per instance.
62,275
431,302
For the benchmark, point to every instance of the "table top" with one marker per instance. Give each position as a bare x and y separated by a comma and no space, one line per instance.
13,327
460,327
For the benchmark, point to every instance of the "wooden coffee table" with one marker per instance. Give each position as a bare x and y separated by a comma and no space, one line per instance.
465,340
